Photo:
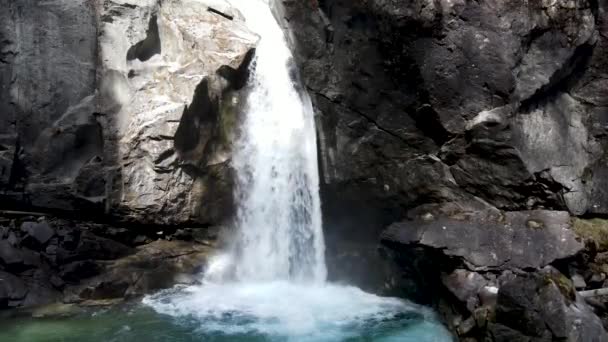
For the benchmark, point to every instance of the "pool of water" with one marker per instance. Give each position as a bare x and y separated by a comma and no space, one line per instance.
258,312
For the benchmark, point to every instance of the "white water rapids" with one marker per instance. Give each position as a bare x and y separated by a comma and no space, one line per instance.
271,284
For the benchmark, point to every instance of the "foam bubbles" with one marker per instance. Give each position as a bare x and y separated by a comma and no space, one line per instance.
287,311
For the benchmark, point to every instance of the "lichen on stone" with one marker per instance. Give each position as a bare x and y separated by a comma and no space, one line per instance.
563,284
594,230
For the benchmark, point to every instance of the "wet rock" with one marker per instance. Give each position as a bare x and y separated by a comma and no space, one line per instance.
466,326
597,279
78,270
488,296
91,246
155,266
40,294
56,310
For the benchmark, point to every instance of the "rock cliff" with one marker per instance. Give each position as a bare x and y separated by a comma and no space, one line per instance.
121,108
432,101
118,117
468,135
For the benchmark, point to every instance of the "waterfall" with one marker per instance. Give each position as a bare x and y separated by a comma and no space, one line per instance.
269,285
278,220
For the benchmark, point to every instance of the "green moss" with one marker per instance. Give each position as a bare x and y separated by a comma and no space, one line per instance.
595,230
564,284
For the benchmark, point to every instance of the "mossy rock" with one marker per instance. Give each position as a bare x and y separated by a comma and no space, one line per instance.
595,230
564,284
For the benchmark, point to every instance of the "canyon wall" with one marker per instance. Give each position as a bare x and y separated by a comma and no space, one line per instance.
476,131
116,125
123,109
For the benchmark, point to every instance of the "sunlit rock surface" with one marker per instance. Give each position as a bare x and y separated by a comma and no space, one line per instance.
124,108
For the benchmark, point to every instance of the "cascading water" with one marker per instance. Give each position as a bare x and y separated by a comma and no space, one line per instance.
279,211
270,285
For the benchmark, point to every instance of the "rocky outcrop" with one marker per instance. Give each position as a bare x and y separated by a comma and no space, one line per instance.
425,101
475,131
121,113
121,108
490,239
83,261
543,307
502,276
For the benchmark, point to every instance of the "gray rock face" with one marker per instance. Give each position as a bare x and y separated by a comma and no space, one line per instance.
543,307
496,270
11,289
490,239
121,108
37,233
486,117
422,101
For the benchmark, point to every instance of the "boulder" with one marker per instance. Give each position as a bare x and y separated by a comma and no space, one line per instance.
135,115
465,285
17,259
12,290
544,306
36,233
495,240
155,266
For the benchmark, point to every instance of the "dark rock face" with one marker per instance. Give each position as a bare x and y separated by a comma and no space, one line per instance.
37,233
48,70
544,307
423,101
478,126
83,261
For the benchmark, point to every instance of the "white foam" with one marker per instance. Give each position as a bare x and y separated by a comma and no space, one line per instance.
296,312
